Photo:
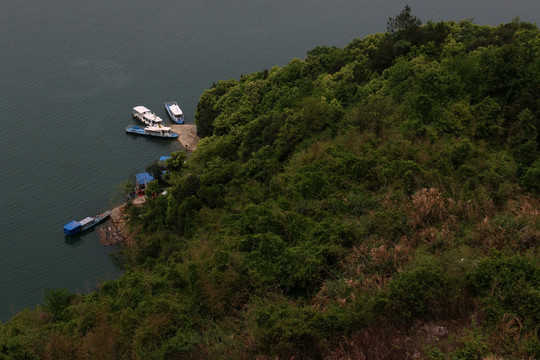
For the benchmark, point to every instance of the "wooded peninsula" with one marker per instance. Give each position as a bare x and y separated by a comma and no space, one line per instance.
377,201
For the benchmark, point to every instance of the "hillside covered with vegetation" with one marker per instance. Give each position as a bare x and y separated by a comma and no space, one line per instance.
377,201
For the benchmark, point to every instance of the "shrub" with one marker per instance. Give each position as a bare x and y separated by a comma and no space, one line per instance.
508,285
421,293
56,301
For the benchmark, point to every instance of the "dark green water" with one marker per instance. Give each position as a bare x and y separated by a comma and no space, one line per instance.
70,72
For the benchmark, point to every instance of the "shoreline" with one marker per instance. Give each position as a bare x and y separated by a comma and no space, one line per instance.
116,233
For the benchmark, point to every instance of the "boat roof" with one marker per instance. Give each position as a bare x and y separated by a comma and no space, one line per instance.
175,109
156,128
152,117
141,109
164,158
72,225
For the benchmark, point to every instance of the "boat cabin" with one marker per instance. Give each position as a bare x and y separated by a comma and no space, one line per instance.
147,116
160,131
175,110
72,228
85,221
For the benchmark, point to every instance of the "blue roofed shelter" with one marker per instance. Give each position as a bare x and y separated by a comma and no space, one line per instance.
143,178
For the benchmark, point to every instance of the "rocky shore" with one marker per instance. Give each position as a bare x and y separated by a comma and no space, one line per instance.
116,233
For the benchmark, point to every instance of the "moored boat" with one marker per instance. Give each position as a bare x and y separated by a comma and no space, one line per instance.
174,111
74,227
162,131
146,116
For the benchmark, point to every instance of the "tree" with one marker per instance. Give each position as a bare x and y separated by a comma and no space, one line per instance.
523,145
152,188
176,161
155,170
404,21
56,301
129,187
205,114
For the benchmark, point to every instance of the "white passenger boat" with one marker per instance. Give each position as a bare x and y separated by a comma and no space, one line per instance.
158,131
174,111
146,116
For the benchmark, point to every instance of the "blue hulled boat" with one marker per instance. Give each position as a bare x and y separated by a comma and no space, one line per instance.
174,111
161,131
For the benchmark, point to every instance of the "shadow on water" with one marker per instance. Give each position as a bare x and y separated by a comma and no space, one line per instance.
76,240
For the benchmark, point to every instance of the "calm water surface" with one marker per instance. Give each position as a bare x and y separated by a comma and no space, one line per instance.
70,72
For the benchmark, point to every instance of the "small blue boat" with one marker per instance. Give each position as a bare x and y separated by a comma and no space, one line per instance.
158,131
174,111
75,227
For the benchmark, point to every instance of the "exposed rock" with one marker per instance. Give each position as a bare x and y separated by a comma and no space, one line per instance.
434,331
117,233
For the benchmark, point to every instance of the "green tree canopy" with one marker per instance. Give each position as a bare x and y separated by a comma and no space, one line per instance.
176,161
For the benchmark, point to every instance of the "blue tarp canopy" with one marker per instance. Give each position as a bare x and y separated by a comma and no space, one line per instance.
164,158
72,225
72,228
143,178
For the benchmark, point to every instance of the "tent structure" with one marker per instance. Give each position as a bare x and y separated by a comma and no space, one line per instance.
143,178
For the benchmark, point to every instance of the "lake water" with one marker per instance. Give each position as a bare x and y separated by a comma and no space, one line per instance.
70,72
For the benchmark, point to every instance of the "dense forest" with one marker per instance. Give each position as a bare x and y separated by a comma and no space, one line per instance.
377,201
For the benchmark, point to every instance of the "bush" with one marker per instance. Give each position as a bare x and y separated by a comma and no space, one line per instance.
531,176
508,285
420,293
56,301
291,330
